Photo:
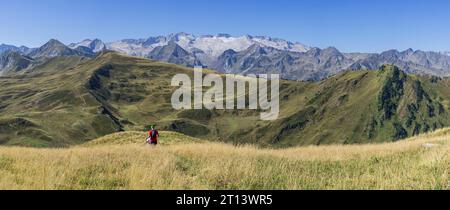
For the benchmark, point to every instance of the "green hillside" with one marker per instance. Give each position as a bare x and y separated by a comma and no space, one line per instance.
70,100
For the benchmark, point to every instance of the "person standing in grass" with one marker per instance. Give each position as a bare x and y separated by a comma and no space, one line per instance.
153,135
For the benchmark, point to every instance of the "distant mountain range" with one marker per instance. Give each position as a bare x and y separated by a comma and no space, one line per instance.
17,59
236,54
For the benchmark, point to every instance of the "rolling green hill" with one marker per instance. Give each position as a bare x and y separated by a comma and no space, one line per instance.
70,100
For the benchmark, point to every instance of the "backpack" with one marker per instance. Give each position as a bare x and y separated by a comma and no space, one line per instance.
153,134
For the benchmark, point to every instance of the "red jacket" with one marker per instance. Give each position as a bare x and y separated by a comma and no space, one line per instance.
153,139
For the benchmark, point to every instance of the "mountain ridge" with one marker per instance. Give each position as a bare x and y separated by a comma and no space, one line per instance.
302,67
54,48
18,59
294,61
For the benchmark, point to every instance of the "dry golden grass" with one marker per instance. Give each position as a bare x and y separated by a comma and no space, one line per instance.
122,161
134,137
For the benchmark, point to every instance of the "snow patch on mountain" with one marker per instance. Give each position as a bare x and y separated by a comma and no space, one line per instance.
209,46
95,45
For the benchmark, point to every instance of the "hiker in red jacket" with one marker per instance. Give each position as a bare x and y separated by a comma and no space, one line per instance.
153,135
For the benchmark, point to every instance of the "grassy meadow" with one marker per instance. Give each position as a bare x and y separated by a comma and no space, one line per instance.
123,161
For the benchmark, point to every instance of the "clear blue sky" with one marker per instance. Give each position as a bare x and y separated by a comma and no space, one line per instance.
349,25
